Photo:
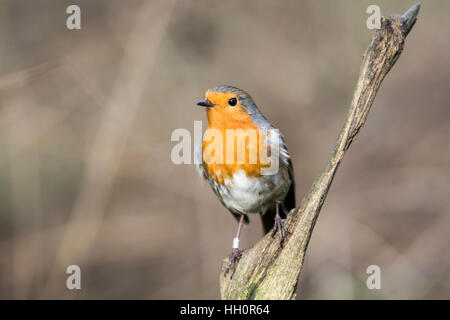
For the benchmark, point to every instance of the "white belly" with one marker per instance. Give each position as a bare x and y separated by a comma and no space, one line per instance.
253,194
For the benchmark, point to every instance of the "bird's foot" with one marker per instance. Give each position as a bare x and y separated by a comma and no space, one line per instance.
280,226
235,257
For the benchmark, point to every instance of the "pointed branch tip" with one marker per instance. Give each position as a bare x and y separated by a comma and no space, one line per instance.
409,18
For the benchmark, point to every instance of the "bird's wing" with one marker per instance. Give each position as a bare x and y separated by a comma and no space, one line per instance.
289,201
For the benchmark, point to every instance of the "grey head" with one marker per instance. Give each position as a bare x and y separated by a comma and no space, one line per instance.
246,102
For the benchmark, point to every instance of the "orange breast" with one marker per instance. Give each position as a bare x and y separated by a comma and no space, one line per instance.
239,148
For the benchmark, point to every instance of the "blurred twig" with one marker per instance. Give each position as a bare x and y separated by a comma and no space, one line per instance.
268,271
105,152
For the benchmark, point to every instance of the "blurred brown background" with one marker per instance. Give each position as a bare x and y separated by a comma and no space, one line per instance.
86,118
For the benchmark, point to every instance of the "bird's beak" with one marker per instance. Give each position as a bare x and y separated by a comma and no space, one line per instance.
205,103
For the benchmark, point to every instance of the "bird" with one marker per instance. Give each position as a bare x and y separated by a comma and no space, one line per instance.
243,187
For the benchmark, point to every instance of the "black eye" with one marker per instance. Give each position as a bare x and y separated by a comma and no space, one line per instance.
232,102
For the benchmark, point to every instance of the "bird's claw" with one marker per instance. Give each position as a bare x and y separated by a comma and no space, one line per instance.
235,257
280,226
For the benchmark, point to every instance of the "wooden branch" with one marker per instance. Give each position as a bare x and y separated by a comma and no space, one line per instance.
268,271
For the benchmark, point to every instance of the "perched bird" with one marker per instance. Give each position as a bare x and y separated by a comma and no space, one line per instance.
242,186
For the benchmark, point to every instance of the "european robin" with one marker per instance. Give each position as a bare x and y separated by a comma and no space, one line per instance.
242,186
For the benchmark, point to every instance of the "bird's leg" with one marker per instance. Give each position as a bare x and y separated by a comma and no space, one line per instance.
279,224
235,252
